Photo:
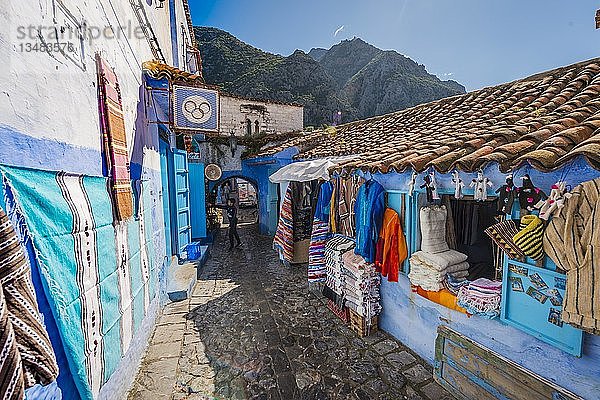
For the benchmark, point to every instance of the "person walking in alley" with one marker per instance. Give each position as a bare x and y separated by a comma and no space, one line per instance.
232,213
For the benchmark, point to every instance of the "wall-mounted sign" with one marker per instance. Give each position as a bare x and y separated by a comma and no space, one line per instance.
195,109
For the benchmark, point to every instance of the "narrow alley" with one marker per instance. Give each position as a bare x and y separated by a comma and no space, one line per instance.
253,330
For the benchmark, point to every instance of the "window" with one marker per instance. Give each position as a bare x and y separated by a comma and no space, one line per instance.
256,126
248,127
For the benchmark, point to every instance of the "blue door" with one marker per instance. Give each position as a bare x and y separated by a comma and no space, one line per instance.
197,200
165,195
180,199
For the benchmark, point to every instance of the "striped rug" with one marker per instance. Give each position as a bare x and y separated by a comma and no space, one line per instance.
26,355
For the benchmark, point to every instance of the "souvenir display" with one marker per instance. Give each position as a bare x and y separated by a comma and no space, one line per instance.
506,196
430,186
411,185
528,195
554,202
458,185
480,187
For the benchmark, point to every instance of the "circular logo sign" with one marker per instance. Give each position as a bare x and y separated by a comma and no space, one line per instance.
196,109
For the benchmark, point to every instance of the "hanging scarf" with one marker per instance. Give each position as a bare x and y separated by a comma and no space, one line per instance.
502,234
529,238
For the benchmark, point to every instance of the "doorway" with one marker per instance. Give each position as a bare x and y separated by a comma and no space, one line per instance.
243,192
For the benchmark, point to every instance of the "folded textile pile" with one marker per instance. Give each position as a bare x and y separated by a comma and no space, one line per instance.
429,270
481,297
430,265
453,285
334,250
361,286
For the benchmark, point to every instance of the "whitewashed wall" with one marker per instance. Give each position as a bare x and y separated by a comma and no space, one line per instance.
272,117
46,95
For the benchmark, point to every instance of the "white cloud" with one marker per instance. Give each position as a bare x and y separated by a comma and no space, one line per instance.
338,30
449,74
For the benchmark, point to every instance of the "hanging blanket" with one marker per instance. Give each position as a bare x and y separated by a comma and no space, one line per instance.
115,139
502,234
529,238
572,240
26,355
317,270
98,278
284,237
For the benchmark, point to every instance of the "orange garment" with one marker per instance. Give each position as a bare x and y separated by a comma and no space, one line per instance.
443,297
391,248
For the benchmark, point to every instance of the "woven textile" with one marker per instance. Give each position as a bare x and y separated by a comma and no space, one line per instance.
284,236
529,237
98,277
433,229
481,297
317,270
502,234
26,355
572,241
346,191
114,139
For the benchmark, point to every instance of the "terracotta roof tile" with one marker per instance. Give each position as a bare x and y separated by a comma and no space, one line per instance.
546,119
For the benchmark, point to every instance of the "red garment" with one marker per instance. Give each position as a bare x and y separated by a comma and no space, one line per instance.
391,247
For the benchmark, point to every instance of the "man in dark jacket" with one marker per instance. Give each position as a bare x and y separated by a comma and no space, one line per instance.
231,211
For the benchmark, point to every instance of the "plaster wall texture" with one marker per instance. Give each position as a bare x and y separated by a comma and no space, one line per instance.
272,117
52,96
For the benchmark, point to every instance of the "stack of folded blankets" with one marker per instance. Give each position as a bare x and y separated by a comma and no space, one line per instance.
481,297
334,250
429,270
435,260
361,286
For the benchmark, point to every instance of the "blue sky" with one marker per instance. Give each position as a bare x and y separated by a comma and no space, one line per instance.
476,42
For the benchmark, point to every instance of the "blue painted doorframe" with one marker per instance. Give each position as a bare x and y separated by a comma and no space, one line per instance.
197,200
166,200
181,229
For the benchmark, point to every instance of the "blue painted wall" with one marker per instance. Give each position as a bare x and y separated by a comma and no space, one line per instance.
20,149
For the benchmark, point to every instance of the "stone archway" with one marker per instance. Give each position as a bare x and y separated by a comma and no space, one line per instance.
244,191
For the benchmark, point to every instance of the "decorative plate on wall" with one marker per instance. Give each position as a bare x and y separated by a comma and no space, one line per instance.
213,172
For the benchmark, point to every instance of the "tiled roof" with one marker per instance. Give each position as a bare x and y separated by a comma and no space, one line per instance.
158,70
546,120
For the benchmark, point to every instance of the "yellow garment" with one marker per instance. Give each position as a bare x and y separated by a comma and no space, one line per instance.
442,297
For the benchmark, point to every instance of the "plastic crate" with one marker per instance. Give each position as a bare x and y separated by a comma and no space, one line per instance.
194,250
359,324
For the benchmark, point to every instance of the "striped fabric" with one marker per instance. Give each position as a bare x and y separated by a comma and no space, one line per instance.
502,234
317,270
100,276
26,355
572,241
114,139
529,237
284,237
346,191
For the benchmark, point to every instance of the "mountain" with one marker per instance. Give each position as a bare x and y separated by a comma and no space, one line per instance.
353,77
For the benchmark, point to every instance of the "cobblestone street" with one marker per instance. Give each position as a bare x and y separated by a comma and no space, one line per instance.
252,330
